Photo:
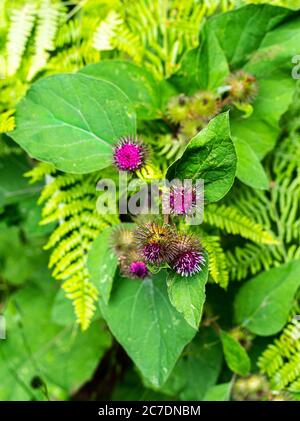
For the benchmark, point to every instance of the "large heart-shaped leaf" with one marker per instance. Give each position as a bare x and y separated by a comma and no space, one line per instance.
187,294
73,121
210,156
146,324
137,83
263,304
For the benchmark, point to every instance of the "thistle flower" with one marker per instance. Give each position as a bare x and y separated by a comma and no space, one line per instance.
129,154
122,240
182,199
189,256
243,87
138,269
155,242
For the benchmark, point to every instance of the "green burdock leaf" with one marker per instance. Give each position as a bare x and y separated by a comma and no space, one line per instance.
263,304
236,356
72,121
187,294
150,329
137,83
198,369
210,156
102,264
249,169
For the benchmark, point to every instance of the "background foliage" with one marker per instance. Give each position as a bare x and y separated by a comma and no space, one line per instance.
49,224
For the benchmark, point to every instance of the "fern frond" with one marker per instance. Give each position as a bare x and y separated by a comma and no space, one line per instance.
281,360
128,43
106,31
70,200
232,221
7,121
83,294
217,263
22,22
73,58
39,172
249,260
47,25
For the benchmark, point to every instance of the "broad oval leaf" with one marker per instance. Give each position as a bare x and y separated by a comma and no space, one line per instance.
102,264
210,156
150,329
73,121
263,304
136,82
187,294
249,169
236,356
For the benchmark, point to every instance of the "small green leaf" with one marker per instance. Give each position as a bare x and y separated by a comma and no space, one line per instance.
235,355
72,121
219,392
145,323
210,156
102,264
262,305
249,169
187,294
136,82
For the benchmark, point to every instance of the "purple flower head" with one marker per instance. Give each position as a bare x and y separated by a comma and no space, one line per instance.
182,200
152,252
129,154
138,269
189,257
188,263
156,242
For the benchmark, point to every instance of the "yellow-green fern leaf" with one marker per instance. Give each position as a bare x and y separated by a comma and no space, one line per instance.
22,22
48,20
217,263
7,121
